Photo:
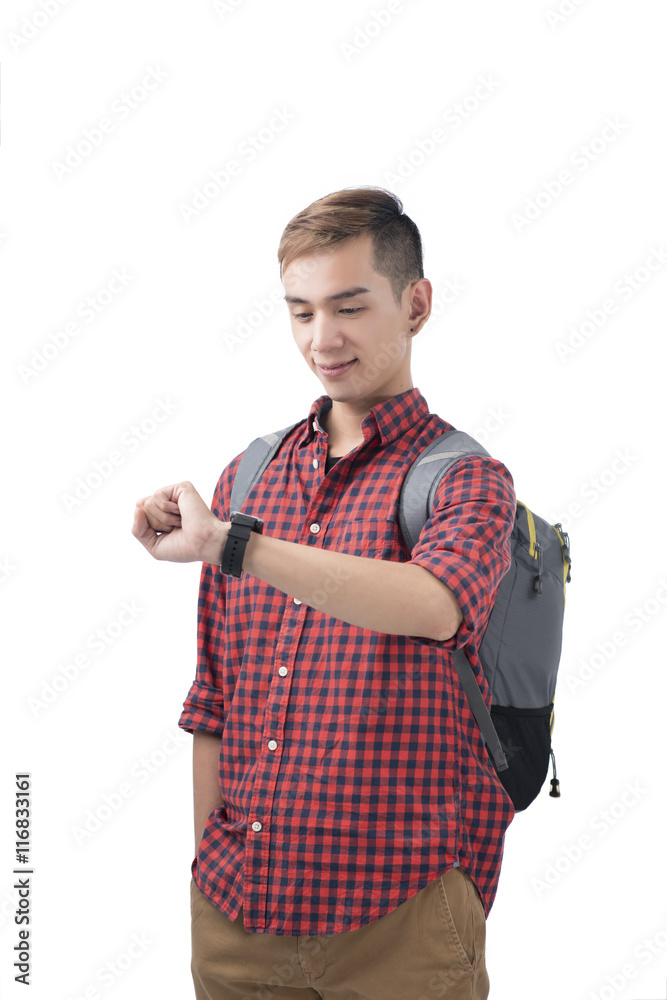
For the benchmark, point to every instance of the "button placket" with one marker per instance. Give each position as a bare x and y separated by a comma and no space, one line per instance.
257,862
266,778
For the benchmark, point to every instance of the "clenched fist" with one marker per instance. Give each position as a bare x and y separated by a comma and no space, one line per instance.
176,525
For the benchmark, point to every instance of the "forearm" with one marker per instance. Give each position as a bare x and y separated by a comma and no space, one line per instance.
378,594
205,781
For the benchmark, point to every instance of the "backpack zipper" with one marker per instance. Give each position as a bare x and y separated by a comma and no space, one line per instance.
534,549
531,529
564,539
537,585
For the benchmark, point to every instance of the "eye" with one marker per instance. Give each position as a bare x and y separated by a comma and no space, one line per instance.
348,310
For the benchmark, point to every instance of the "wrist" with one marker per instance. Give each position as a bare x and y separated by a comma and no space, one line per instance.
251,545
241,536
215,544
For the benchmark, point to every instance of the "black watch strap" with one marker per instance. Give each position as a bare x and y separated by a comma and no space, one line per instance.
237,538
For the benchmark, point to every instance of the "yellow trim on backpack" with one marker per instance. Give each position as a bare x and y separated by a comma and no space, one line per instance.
565,566
531,530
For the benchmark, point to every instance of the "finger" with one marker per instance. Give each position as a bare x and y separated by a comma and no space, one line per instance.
163,522
149,538
188,498
167,498
168,493
142,530
164,503
159,519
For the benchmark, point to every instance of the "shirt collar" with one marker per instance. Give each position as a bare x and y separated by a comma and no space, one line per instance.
389,419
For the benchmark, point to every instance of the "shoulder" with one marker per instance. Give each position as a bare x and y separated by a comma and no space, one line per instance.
472,472
476,479
223,490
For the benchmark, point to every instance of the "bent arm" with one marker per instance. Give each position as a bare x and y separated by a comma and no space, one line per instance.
379,594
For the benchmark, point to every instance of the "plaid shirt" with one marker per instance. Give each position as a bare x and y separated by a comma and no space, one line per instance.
352,771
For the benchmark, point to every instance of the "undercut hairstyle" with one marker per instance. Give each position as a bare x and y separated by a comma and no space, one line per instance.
345,214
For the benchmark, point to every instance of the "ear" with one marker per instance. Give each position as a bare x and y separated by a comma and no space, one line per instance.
421,297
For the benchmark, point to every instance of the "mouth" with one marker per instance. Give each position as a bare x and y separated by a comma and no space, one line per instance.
332,370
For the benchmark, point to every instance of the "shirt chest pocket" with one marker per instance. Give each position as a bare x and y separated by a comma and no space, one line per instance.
372,537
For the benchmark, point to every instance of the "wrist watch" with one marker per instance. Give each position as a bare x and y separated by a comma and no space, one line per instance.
237,538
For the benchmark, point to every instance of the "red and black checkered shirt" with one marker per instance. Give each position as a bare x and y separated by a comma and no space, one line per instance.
352,771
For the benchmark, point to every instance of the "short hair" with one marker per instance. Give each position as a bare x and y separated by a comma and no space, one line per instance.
345,214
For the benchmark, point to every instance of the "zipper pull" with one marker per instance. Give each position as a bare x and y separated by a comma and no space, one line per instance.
566,550
537,584
555,784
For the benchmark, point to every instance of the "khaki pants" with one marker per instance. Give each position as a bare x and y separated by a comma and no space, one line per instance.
431,946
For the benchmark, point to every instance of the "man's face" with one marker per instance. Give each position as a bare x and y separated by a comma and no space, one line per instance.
341,310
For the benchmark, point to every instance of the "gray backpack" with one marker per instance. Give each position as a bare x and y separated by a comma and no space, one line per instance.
521,646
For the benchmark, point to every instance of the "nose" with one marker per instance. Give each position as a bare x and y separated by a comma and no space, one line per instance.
326,338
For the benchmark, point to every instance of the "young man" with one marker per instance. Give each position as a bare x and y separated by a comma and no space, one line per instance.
349,823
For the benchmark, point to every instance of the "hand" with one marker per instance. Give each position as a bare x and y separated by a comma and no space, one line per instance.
176,525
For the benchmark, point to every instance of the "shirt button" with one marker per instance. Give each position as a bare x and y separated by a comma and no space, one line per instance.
273,745
315,463
282,671
297,601
314,528
256,826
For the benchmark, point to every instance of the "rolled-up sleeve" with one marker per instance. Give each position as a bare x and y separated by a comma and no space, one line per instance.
204,707
466,542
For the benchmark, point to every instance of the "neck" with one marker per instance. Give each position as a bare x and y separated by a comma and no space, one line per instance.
343,420
342,427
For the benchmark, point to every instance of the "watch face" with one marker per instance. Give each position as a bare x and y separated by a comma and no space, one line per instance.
239,517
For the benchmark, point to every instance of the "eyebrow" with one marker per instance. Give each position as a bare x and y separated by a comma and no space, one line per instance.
347,293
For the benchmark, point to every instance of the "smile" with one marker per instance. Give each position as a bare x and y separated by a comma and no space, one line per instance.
336,369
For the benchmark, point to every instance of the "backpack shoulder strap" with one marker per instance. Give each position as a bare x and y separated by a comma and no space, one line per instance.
414,509
253,462
479,710
421,482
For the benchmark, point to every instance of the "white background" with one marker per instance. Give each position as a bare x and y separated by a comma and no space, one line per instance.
583,879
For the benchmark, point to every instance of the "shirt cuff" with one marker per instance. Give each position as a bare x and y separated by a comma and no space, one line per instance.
203,710
458,579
